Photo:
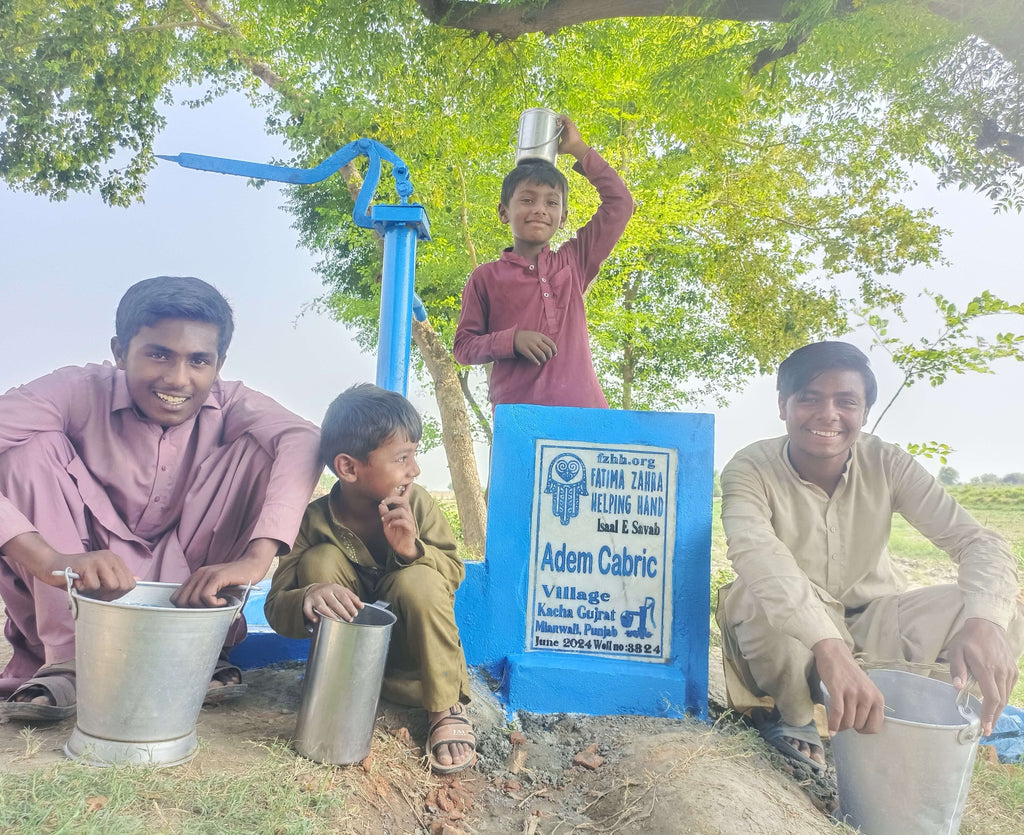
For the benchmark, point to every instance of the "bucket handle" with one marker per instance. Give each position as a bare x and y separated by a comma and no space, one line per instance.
515,138
970,732
69,578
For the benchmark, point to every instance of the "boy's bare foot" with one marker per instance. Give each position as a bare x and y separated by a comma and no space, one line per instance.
451,744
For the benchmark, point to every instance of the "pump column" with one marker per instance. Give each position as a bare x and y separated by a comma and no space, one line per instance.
401,227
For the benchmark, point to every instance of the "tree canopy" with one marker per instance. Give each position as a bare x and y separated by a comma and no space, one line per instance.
768,145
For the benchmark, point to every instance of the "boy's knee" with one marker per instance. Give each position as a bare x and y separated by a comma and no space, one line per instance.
323,563
420,588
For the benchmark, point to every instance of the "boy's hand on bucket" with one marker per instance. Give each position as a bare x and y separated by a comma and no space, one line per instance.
854,700
204,589
980,648
101,574
207,585
332,600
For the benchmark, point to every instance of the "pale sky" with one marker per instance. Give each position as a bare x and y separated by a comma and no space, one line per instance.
64,266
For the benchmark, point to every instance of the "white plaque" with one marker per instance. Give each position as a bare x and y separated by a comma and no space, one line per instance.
602,542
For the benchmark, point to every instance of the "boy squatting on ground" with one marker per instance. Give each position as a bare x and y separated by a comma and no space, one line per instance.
525,311
153,469
379,536
807,518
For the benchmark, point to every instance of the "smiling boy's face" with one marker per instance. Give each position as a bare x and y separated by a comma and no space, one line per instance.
389,470
170,368
825,417
534,213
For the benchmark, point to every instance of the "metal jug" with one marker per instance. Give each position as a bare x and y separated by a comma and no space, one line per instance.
344,672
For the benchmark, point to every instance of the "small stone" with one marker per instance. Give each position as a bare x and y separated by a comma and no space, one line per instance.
367,764
516,759
589,758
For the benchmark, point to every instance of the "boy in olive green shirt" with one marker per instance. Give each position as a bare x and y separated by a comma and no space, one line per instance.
380,536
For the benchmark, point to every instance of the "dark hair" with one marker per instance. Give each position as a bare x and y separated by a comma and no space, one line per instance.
806,364
362,418
533,171
173,297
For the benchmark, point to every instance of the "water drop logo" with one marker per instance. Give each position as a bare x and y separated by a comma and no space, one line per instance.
567,481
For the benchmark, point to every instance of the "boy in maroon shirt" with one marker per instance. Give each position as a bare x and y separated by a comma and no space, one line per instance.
525,312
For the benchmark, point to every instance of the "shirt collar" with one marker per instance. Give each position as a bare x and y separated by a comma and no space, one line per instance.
842,479
511,257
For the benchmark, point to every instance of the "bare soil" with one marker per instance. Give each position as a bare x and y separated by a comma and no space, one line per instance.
536,775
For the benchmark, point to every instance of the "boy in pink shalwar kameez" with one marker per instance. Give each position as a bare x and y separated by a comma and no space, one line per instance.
150,469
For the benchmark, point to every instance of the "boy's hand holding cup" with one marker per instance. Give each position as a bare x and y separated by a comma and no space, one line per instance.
570,141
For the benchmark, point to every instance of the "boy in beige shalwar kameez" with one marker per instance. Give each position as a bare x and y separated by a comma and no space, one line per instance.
807,518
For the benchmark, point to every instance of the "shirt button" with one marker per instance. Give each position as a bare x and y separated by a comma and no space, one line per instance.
543,280
532,268
156,499
833,529
546,295
834,556
163,468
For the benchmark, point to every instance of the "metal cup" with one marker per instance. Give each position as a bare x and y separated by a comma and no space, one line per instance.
538,135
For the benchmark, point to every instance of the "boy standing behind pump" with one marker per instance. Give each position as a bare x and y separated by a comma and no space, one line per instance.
379,536
525,311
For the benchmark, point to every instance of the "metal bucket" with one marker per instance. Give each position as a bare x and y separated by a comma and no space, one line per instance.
538,135
142,667
342,690
914,775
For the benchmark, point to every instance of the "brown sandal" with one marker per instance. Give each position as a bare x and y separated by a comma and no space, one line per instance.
449,729
57,682
223,672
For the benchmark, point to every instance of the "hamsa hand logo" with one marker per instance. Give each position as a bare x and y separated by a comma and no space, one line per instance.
567,481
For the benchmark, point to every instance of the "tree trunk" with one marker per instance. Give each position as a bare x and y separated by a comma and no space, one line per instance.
457,434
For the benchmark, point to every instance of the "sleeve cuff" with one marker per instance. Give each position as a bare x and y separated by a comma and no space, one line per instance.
995,609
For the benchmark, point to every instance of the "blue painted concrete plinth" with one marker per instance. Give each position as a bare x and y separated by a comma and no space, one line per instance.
573,499
262,645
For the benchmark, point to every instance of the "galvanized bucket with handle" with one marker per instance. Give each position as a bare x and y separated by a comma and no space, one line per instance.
142,667
911,778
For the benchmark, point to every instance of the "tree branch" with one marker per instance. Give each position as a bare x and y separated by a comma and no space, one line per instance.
508,21
1011,144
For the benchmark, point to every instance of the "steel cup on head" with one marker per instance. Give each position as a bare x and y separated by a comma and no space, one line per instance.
538,135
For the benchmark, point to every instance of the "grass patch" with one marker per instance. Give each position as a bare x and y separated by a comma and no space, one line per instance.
276,792
995,805
281,793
